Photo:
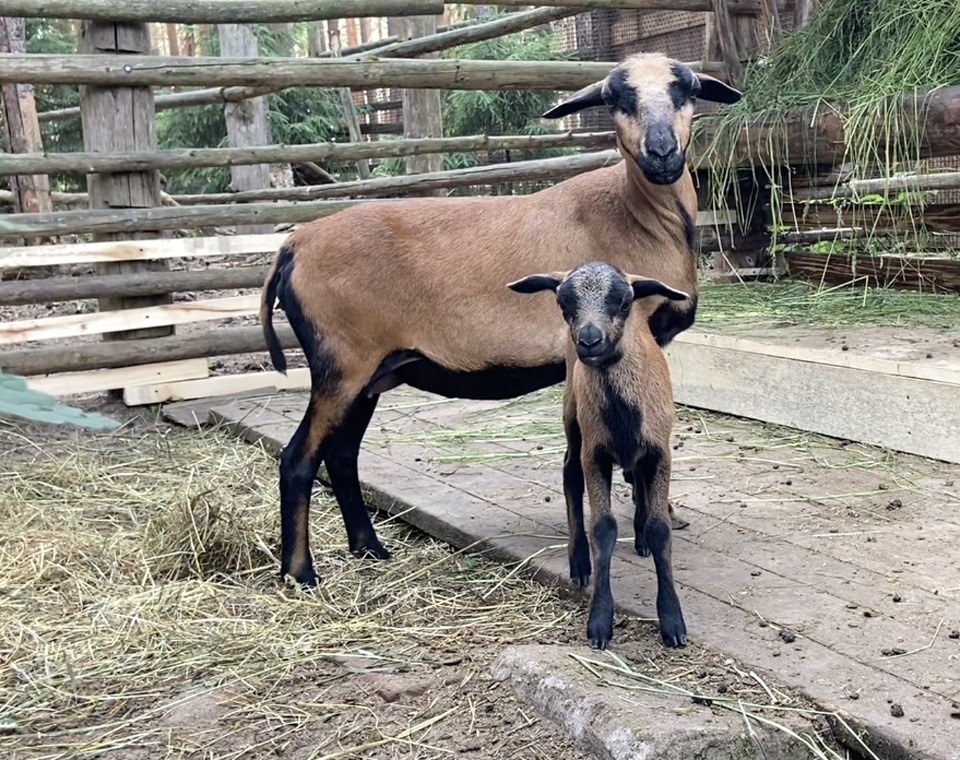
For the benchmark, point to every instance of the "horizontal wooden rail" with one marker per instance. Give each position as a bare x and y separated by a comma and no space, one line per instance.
63,254
128,285
192,158
79,357
98,380
218,11
164,71
72,325
735,6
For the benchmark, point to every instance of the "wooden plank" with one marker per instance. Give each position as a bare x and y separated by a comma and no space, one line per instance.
295,379
95,381
139,250
908,272
421,108
898,412
217,11
164,315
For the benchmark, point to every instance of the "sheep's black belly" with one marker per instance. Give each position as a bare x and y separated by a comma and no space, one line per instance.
492,383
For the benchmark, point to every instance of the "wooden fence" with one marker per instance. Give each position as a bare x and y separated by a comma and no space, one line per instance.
128,343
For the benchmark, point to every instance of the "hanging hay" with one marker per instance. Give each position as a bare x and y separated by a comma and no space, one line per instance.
858,54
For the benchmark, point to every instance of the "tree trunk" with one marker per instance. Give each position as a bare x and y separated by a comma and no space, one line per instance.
248,123
21,130
421,108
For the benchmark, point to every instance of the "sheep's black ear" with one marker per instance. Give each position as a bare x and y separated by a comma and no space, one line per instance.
644,287
716,91
588,97
536,283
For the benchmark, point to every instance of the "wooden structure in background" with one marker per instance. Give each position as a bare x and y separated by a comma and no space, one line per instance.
421,108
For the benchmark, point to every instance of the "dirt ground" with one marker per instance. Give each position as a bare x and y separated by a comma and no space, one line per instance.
141,617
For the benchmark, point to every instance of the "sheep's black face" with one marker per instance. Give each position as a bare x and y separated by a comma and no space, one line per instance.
651,98
595,300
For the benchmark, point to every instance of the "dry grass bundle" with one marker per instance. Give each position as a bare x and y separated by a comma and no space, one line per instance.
136,569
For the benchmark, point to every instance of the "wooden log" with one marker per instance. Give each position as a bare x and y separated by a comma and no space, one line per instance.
859,188
518,171
217,11
737,6
350,118
21,129
248,122
329,152
126,320
164,71
816,135
727,39
78,357
939,217
140,250
102,221
122,118
136,284
886,271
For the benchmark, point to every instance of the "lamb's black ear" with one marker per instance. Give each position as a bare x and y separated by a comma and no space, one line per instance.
588,97
716,91
536,283
645,286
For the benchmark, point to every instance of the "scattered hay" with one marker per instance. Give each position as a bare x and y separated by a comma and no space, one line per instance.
132,569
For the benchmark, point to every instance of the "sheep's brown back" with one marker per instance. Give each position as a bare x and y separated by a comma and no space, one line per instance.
432,275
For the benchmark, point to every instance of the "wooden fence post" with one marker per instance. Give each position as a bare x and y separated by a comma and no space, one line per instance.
122,119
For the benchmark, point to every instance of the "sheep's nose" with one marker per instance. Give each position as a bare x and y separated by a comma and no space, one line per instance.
660,142
589,336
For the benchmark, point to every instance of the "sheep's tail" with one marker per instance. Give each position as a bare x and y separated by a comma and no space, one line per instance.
267,301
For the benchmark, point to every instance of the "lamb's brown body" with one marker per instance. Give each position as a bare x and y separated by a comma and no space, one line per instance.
412,292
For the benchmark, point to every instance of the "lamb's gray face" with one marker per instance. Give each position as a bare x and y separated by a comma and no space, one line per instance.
595,299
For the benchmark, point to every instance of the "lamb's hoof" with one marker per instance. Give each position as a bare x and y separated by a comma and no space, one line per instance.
640,546
674,633
600,628
370,550
580,570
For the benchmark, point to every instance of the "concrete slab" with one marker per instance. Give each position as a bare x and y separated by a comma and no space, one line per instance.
830,568
642,723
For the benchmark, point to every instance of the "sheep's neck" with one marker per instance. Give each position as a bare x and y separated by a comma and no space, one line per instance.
664,201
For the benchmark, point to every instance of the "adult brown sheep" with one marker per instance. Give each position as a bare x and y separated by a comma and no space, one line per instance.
412,291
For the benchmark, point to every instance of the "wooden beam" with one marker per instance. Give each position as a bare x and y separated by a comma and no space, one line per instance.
421,109
65,254
72,325
329,152
278,73
216,11
99,380
881,186
134,284
295,380
759,381
76,357
121,118
737,6
350,118
936,275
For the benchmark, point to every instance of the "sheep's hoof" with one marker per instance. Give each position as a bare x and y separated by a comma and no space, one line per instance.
580,570
640,546
600,628
673,632
677,523
305,577
370,550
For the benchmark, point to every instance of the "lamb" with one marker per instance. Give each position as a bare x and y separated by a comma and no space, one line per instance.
617,409
411,291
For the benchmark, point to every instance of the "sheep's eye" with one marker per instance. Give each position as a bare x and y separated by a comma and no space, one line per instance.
625,308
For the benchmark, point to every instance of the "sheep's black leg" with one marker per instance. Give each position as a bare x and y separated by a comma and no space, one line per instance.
678,523
299,463
341,461
673,630
578,548
598,469
640,513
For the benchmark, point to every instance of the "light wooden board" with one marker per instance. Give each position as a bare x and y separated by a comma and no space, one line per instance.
95,381
139,250
722,217
938,371
898,412
295,379
128,319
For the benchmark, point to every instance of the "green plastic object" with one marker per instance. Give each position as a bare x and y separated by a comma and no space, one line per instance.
17,400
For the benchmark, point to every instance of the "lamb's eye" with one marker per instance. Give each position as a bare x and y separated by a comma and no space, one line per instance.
625,308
